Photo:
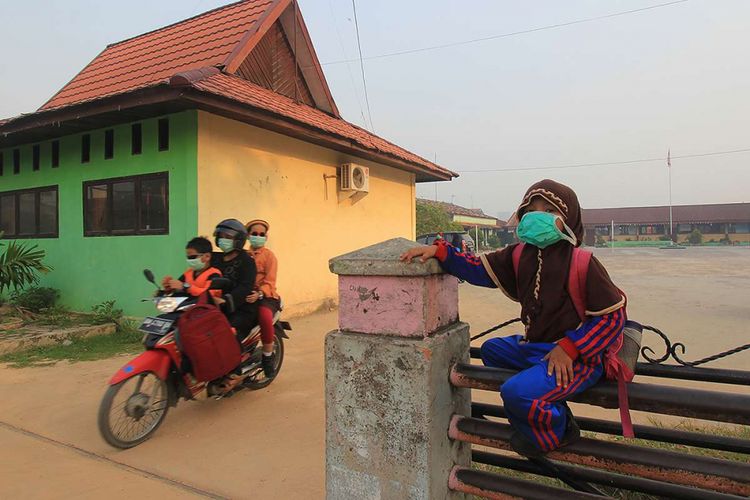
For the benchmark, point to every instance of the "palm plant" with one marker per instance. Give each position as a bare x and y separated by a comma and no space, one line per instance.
20,264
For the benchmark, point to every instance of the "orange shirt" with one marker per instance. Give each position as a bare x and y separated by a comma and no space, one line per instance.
268,266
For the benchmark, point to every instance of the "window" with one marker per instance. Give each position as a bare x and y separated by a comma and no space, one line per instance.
109,144
127,206
136,139
30,213
35,157
85,148
16,161
55,154
164,134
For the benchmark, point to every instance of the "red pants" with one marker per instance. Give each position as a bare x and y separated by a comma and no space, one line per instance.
265,319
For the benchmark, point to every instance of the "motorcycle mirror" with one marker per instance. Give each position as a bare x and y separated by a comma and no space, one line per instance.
220,284
149,276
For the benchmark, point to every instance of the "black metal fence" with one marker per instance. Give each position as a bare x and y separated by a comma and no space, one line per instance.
671,473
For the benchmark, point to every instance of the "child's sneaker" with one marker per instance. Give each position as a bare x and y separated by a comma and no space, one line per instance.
572,431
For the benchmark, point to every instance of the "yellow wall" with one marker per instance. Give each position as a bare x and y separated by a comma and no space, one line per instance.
245,172
467,219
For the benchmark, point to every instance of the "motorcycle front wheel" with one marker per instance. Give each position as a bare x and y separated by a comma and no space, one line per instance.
132,410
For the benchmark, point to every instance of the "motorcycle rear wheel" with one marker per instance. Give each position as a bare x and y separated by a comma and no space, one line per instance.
256,379
128,423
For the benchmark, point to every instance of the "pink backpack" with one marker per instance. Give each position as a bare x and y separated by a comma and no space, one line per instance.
618,364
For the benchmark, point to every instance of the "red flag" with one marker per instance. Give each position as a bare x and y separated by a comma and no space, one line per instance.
669,157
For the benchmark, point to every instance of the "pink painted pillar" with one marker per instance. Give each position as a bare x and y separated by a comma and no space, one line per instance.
388,397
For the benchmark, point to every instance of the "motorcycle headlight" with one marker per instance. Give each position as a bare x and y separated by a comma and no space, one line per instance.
167,305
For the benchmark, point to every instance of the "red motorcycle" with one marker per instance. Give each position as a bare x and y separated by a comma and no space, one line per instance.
142,391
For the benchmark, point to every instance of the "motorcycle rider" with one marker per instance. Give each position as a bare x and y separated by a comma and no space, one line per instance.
236,265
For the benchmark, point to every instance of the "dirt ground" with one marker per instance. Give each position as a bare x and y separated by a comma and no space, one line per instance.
270,443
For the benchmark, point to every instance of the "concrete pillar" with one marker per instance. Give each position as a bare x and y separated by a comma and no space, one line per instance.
388,397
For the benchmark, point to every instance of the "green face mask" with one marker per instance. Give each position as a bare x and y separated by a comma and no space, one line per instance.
540,229
196,264
225,244
257,241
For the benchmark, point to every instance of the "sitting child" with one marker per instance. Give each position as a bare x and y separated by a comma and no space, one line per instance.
559,355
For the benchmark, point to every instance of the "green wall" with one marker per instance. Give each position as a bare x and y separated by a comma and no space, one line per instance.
89,270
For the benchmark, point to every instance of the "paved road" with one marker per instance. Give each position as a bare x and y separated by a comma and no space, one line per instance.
261,444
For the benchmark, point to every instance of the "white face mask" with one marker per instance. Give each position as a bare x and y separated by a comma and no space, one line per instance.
196,264
225,244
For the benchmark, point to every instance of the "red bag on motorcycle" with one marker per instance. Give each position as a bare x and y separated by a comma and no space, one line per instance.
205,336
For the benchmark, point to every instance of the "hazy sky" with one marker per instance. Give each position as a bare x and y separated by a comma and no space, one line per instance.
610,90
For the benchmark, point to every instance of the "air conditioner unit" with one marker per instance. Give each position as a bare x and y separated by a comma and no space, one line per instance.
354,178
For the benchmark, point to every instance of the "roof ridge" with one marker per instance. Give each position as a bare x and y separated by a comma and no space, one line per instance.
113,44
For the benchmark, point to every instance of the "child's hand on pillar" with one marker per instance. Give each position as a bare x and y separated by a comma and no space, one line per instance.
424,253
561,364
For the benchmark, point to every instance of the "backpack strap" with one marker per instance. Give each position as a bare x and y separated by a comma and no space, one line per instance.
579,270
516,256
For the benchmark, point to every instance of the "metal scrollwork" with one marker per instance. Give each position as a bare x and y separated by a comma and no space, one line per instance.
672,350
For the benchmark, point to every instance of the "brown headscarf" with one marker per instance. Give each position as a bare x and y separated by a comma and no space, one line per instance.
541,286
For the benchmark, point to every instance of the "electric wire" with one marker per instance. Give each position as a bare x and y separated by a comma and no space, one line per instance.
609,163
503,35
362,64
348,67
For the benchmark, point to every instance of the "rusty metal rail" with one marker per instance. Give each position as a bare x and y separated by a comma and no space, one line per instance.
665,400
603,478
713,375
701,472
663,435
495,486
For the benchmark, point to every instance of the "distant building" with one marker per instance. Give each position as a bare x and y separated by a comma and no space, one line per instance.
729,222
725,221
473,220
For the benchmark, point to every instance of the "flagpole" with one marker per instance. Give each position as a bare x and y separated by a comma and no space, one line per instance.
669,167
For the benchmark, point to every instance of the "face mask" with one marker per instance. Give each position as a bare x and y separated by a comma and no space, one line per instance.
257,241
540,229
196,264
225,244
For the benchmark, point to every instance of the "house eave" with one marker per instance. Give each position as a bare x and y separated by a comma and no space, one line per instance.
164,99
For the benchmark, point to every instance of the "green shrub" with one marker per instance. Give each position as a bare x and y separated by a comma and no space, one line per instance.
664,237
695,238
35,298
494,241
20,265
106,312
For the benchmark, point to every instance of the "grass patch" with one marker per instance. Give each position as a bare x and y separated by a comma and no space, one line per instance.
127,339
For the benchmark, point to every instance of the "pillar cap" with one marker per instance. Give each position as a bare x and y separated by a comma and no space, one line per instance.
382,259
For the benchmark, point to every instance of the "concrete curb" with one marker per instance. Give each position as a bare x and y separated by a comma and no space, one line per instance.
37,337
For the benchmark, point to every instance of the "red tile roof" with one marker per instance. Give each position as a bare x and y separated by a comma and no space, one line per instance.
192,55
204,40
240,90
